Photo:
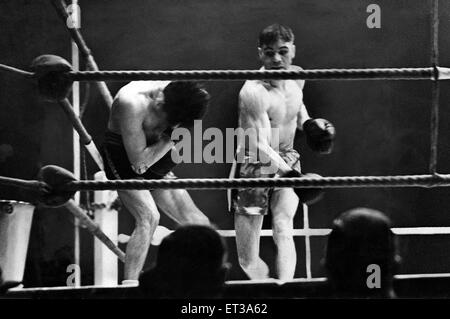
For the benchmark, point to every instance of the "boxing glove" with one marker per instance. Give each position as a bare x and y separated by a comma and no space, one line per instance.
320,135
306,196
164,165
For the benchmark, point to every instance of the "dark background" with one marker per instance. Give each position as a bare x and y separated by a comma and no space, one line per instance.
383,127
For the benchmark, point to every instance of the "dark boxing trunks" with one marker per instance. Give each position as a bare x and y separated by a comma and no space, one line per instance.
118,166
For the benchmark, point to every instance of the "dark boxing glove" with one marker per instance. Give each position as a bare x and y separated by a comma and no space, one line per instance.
306,196
320,135
163,166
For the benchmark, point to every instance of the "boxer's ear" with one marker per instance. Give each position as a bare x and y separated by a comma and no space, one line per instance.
159,99
260,53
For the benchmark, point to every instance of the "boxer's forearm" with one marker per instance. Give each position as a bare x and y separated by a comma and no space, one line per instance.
150,155
261,151
269,155
302,117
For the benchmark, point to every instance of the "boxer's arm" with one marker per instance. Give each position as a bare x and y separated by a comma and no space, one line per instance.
302,115
139,154
300,83
253,115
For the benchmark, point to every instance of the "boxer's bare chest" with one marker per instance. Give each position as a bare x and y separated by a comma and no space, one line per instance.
284,103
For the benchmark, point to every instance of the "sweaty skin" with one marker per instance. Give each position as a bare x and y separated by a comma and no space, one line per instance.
137,115
267,106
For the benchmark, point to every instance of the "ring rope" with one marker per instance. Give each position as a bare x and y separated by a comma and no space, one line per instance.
429,181
434,126
435,89
11,69
430,73
434,32
76,121
75,34
85,138
25,184
94,228
435,180
313,74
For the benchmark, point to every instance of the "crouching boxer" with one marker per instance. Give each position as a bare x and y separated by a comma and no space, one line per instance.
138,145
273,110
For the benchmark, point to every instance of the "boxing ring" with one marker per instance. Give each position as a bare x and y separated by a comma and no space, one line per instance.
63,188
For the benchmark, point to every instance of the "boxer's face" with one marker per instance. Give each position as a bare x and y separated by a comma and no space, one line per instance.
277,55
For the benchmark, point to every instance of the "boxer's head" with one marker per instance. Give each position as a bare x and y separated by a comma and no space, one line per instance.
184,102
276,48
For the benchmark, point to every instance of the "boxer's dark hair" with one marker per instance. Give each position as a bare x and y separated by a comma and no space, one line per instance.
185,102
275,32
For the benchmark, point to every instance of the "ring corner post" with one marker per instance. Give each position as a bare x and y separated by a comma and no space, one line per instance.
105,261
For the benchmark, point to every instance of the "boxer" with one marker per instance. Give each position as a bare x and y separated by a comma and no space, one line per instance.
138,145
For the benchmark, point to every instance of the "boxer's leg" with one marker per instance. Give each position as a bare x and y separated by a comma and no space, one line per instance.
284,204
141,205
178,205
248,230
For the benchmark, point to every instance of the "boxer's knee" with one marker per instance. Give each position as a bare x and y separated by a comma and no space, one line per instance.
198,218
148,220
282,230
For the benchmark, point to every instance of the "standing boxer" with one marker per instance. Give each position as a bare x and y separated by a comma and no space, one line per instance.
266,107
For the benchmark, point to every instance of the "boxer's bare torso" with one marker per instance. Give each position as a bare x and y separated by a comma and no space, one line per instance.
272,104
138,117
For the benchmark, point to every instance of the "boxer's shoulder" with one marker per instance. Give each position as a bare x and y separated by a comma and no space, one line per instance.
129,100
253,92
300,83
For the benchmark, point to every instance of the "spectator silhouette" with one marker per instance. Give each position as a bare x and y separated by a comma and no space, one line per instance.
359,238
191,263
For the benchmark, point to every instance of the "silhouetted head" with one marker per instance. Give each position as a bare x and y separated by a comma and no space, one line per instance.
191,263
361,253
184,102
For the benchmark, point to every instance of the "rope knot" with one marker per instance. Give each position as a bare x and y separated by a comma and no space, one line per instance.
50,71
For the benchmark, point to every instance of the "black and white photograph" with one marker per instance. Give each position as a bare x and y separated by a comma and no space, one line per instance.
221,158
